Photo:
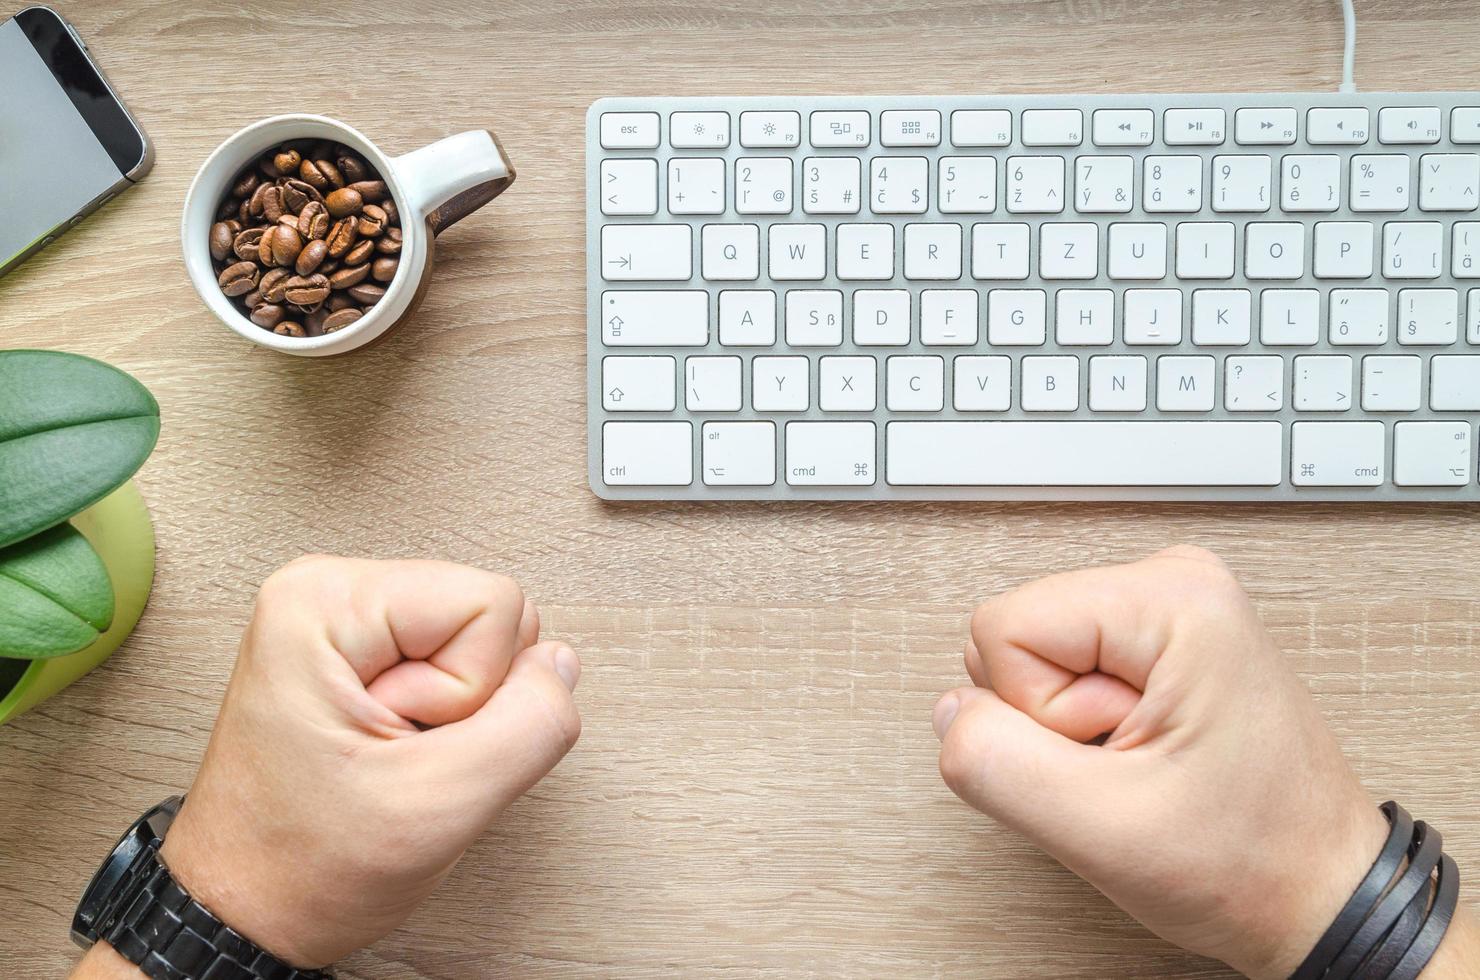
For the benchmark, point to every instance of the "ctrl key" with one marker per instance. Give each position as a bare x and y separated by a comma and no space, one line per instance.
647,454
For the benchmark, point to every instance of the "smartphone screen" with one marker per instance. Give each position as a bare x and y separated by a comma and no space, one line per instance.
65,141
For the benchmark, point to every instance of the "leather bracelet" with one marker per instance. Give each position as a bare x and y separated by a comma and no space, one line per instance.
1351,916
1426,850
1441,913
1382,961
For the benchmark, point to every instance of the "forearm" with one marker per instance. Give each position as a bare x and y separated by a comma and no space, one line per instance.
102,962
1458,956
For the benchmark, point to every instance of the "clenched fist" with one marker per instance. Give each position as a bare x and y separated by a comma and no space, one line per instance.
380,716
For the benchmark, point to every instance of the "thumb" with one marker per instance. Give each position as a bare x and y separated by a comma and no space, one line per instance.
1002,762
524,729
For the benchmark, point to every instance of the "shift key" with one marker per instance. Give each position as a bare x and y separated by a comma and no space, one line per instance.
651,253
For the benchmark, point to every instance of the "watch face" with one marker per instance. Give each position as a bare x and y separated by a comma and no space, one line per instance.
146,833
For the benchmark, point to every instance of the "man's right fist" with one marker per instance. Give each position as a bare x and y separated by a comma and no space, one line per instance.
1138,724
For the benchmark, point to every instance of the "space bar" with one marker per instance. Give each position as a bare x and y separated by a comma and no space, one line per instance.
1079,454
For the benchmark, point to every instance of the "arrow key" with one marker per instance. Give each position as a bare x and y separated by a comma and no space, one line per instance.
637,384
629,187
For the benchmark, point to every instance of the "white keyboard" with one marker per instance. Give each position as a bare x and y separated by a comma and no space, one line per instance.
1191,297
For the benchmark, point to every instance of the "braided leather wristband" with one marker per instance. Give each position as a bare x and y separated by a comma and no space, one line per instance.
1434,927
1424,854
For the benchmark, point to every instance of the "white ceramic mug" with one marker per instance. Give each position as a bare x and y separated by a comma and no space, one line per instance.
433,188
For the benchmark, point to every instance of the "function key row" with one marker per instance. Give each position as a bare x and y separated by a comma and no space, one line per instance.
1253,126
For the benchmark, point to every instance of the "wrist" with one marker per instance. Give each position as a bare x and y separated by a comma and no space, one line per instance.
102,962
243,890
1458,956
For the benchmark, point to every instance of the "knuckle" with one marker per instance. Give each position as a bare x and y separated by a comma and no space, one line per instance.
292,579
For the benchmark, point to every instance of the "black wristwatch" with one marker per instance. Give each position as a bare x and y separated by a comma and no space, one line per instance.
135,906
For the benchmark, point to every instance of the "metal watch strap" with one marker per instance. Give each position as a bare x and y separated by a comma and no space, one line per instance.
170,936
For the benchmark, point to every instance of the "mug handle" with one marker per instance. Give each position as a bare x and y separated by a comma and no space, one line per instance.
450,179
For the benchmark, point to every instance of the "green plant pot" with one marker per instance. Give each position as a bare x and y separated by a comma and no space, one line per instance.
119,530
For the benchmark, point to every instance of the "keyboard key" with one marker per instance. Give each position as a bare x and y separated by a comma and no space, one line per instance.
1464,125
1359,318
1084,317
1152,317
712,384
759,129
1323,383
1205,250
1454,383
1310,182
780,384
909,127
1242,183
967,185
1117,384
1220,317
1290,317
653,454
915,384
1016,317
1035,185
763,185
1138,250
1193,127
1412,249
1123,127
1343,249
797,252
932,251
899,185
1337,454
1345,126
1265,126
1465,263
629,130
1068,250
848,128
1448,181
1408,124
881,317
655,318
1380,182
982,384
1185,384
1392,384
647,252
637,384
1274,250
999,251
1428,316
699,130
1472,318
739,454
814,317
731,253
948,317
1053,127
696,186
1103,185
865,251
747,317
1432,454
847,384
629,187
981,127
838,454
1107,453
1254,384
832,185
1172,184
1050,384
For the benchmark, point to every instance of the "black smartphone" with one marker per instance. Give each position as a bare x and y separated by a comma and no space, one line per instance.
67,144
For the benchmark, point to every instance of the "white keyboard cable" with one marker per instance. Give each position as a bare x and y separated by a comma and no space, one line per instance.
1349,53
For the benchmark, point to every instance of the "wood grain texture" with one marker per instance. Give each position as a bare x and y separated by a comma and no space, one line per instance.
755,794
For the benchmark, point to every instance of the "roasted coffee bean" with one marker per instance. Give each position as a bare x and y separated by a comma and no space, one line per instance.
392,213
257,203
341,301
274,285
313,220
325,163
310,174
390,242
372,220
290,328
373,191
245,244
342,237
293,198
272,203
286,245
314,322
221,239
311,257
227,209
344,202
244,213
352,168
329,267
268,315
349,276
361,253
287,161
245,184
384,269
306,290
253,299
366,293
238,279
341,319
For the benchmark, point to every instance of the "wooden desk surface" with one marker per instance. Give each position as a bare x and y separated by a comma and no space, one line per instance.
755,793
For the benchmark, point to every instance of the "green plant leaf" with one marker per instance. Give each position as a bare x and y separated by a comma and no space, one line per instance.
71,431
55,595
